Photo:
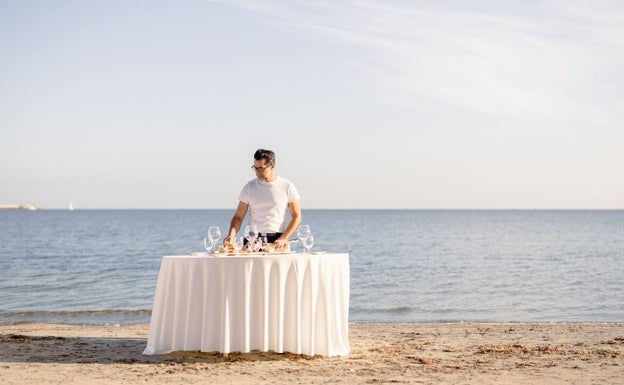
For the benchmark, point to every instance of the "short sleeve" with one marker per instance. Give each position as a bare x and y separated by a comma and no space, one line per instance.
244,194
293,194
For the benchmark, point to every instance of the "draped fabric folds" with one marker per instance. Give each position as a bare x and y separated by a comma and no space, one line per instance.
296,303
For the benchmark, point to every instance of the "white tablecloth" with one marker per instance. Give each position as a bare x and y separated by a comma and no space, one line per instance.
296,303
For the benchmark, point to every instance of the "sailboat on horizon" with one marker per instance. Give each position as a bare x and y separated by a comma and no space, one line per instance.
71,206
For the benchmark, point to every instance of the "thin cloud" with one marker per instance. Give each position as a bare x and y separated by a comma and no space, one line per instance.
549,62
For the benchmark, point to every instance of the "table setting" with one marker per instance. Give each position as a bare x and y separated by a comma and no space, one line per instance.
249,296
253,244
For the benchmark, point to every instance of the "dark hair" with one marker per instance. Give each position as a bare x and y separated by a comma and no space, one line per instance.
267,155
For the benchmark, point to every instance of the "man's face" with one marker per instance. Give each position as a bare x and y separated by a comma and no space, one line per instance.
263,171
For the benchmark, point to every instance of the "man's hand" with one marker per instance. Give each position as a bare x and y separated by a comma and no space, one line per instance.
280,243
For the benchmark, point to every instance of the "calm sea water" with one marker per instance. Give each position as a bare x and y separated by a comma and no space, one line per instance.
101,266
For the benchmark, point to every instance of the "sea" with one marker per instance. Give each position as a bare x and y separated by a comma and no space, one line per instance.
99,267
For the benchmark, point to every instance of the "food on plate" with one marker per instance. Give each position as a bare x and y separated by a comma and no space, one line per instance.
227,248
285,248
267,248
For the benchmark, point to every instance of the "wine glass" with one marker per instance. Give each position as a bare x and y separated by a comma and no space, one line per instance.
214,234
308,243
303,232
251,233
257,245
208,245
238,243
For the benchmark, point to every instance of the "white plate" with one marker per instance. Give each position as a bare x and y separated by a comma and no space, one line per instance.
253,254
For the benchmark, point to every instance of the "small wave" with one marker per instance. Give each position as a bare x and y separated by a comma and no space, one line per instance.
400,309
77,313
96,317
392,310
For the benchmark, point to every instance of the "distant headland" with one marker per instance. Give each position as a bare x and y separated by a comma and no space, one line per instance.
27,206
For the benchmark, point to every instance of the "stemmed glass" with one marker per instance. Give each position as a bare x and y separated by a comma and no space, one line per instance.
238,243
251,233
214,234
208,245
303,232
257,245
308,243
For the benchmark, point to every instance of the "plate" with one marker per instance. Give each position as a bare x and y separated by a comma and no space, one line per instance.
253,254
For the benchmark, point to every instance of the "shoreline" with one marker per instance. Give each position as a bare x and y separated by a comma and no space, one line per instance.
441,353
7,323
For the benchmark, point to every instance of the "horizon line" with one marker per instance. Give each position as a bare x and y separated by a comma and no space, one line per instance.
330,208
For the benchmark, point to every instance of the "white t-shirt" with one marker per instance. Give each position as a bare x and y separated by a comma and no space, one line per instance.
268,203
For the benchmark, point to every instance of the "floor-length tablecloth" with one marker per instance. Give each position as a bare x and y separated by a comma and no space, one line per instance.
296,303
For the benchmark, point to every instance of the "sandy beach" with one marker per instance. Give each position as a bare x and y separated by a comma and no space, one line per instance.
454,353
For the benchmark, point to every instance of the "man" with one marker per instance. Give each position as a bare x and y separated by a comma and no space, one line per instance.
269,199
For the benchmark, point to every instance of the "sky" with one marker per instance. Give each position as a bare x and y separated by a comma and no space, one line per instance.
367,104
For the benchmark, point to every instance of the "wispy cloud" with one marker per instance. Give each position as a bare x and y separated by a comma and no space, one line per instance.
547,60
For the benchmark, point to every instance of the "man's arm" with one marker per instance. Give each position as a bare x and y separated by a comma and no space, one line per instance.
295,220
236,222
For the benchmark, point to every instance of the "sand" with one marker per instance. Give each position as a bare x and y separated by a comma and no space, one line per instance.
455,353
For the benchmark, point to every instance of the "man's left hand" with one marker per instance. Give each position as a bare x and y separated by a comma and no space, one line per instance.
279,243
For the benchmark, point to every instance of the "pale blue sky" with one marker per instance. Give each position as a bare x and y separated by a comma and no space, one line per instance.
368,104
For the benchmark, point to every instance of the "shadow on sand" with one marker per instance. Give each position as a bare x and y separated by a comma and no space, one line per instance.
51,349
